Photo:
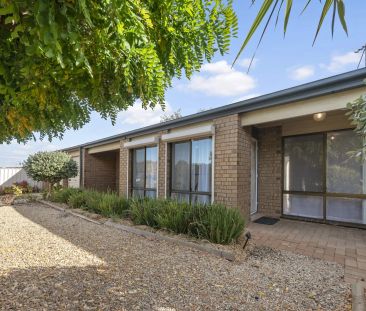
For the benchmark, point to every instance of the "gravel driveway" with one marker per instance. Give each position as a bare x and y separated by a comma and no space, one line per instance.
51,261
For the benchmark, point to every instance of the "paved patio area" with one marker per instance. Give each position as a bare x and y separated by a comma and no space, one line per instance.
346,246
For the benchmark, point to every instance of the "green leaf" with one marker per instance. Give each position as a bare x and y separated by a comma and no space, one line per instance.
287,15
7,10
341,15
261,14
325,10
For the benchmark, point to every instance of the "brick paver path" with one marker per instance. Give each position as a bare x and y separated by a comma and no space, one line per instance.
346,246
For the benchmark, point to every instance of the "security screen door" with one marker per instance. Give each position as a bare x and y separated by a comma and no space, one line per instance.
323,179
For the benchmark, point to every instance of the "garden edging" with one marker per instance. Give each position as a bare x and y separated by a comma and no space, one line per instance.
147,234
49,204
358,296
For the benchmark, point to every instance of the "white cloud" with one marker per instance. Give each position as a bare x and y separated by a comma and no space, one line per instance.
340,62
301,73
14,154
246,62
139,117
219,79
219,67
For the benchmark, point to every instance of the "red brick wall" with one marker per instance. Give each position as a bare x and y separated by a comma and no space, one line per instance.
100,170
270,170
232,163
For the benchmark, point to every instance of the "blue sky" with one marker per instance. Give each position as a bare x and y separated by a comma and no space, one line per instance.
280,63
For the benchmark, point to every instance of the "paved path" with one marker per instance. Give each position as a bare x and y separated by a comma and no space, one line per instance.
50,260
346,246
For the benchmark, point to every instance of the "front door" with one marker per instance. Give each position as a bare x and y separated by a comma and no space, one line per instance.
253,181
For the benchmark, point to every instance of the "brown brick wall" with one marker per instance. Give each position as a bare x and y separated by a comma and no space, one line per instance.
270,170
232,163
162,181
124,168
100,170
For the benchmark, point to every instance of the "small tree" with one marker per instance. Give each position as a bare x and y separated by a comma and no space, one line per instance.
169,117
51,167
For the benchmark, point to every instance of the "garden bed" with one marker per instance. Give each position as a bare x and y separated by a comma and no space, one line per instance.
214,223
229,252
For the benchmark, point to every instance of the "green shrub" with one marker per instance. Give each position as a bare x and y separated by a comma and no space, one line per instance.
77,199
109,204
63,195
220,224
14,189
174,216
215,222
143,211
51,167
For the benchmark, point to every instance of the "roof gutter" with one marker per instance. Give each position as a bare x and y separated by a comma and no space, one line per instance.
339,83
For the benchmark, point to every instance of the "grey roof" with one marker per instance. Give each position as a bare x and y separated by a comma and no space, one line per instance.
338,83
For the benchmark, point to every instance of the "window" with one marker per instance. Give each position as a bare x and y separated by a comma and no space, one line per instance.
322,180
192,171
144,172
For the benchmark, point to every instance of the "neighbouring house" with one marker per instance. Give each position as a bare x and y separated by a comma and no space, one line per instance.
284,154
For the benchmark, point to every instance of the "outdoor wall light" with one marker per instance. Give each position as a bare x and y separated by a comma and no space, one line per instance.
320,116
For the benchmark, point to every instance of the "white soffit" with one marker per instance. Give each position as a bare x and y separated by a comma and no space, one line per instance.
74,153
301,108
308,125
139,142
104,148
188,133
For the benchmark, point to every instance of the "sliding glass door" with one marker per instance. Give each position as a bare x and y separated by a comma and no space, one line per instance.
322,179
303,176
345,178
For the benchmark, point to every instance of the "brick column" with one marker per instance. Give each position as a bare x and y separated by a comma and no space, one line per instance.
162,150
124,169
232,163
270,170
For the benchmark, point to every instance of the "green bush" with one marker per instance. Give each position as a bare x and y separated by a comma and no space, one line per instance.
108,204
220,224
174,216
51,167
143,211
14,189
63,195
215,222
77,199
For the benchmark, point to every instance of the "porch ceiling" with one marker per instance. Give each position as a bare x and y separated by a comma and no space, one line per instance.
327,103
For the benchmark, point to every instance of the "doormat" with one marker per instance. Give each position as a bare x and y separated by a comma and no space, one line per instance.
266,220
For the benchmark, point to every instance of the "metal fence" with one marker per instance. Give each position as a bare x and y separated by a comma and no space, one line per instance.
10,175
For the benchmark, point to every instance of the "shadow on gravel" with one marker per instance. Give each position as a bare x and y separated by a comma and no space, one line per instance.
74,289
153,275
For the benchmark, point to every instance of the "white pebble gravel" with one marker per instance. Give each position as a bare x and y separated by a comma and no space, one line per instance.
53,261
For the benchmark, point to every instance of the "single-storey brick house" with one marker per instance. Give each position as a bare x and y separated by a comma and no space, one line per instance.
284,154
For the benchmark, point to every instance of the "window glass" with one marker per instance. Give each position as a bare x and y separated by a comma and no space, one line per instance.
180,197
303,163
346,209
200,199
139,168
201,165
151,167
150,193
181,159
303,205
138,193
345,173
